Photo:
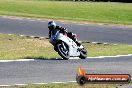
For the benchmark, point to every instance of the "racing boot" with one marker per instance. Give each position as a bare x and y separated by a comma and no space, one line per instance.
79,45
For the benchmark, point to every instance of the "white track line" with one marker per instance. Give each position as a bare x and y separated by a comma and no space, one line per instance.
5,85
38,83
58,82
94,42
115,44
10,34
111,56
20,84
124,55
17,60
22,35
35,84
105,43
104,56
69,58
32,36
72,58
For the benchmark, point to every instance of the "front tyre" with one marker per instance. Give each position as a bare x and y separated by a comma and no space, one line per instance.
63,50
83,54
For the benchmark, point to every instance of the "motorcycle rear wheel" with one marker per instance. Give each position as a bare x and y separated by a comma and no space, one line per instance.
83,54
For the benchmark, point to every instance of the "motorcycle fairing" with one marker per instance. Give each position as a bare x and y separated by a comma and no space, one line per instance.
73,48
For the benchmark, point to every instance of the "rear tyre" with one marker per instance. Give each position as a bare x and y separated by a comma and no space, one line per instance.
63,50
83,54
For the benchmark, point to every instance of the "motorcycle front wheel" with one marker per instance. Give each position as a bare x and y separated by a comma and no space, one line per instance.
63,50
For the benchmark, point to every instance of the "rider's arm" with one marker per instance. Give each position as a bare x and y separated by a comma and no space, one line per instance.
49,33
63,30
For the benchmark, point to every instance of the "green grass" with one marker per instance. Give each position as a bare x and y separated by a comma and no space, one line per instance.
72,85
67,85
108,50
16,47
105,12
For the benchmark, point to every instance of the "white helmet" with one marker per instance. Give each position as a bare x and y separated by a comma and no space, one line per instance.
51,25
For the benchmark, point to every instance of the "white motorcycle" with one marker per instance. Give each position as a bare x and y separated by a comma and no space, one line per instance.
66,47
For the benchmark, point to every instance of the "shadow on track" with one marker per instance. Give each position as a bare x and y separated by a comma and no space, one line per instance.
42,58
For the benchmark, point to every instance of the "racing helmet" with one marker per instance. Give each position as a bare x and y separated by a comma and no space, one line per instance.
51,25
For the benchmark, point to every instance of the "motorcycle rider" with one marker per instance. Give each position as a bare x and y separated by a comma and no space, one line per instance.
52,26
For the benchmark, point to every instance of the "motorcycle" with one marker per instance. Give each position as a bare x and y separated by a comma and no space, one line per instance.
65,46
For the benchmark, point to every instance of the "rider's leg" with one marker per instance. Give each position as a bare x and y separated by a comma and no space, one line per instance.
77,42
74,38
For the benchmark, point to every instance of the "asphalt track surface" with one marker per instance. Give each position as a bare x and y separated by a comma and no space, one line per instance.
47,71
85,32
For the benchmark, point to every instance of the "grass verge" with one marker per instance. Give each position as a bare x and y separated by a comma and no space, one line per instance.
68,85
72,85
17,47
116,13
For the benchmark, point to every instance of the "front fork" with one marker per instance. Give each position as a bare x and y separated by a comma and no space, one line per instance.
64,46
